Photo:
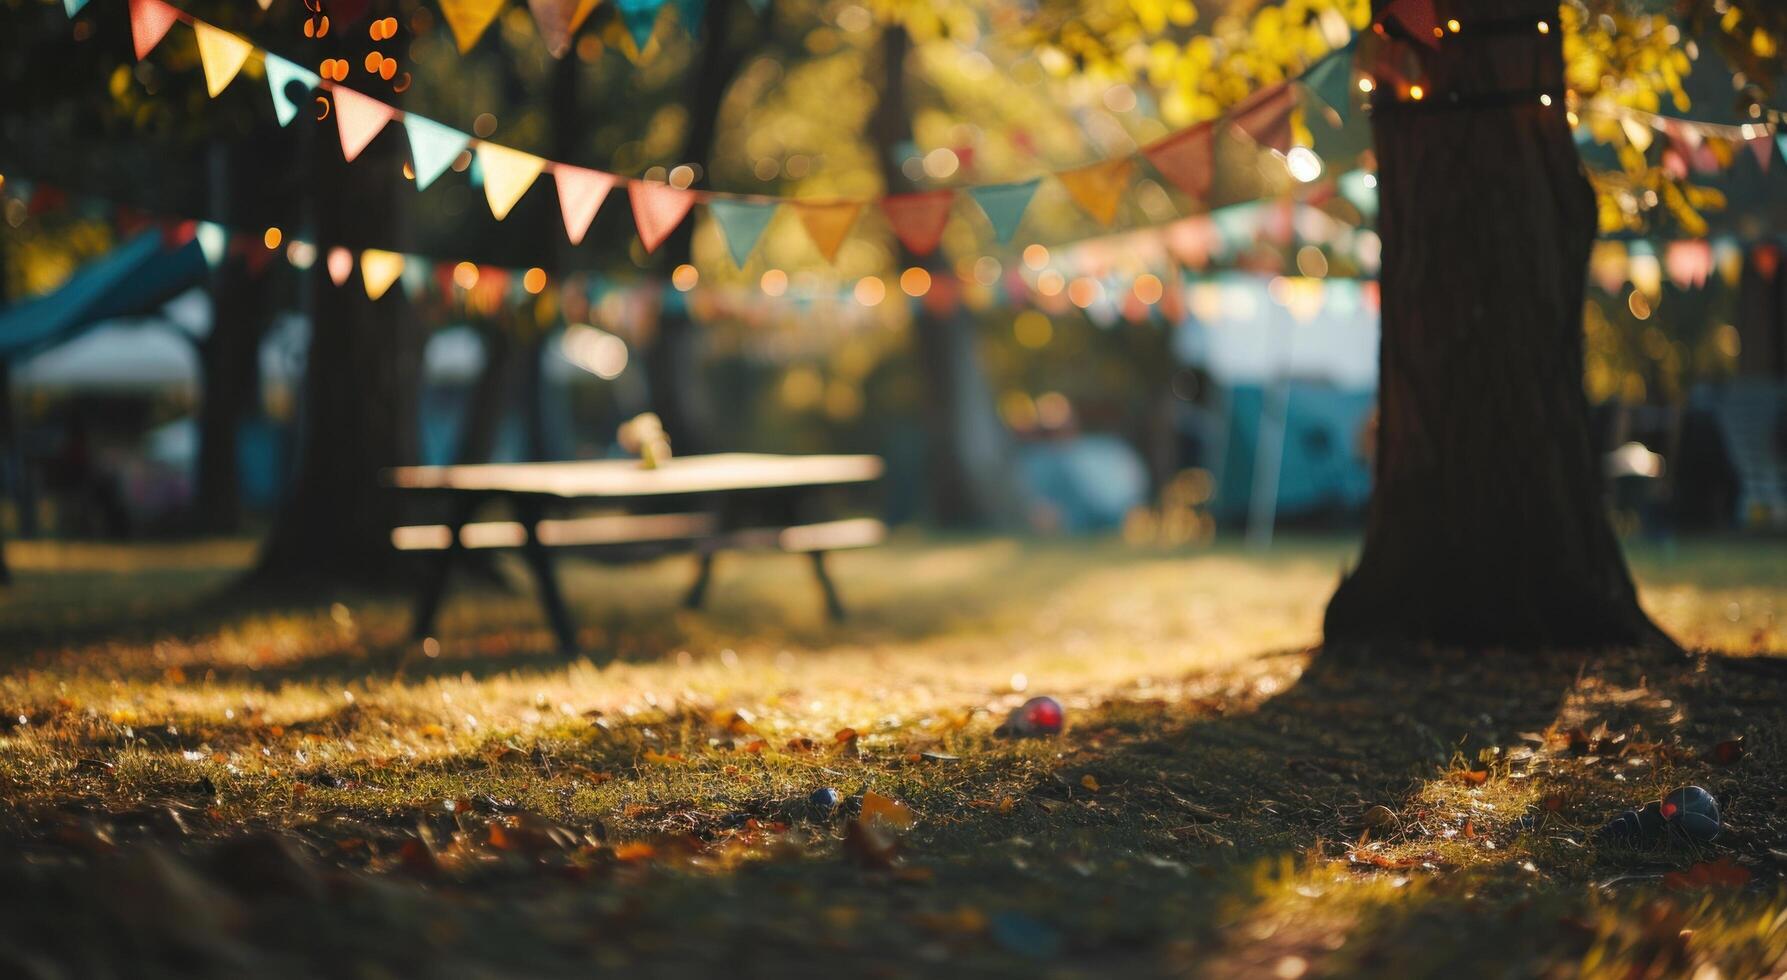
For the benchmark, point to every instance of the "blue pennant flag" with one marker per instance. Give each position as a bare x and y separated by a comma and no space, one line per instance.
280,75
73,7
433,148
641,17
741,224
1004,205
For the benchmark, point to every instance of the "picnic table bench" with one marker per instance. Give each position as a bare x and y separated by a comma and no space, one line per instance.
690,504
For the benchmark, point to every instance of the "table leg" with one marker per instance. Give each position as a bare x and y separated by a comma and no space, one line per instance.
539,561
434,583
834,607
698,591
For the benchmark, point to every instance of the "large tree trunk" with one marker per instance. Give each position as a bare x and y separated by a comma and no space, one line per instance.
358,413
1486,525
242,306
969,457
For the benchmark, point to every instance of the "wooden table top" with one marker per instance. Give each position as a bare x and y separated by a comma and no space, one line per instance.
618,478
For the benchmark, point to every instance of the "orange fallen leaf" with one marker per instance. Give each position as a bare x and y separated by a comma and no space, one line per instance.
876,807
637,850
1473,777
1726,753
1090,782
1723,873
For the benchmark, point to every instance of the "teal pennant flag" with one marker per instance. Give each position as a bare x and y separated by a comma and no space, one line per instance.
280,75
641,17
741,224
1004,205
433,148
1331,79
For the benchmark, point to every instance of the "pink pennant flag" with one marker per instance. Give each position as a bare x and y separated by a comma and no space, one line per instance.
150,21
1186,158
657,209
1266,116
360,118
1763,149
918,219
1416,17
341,265
580,195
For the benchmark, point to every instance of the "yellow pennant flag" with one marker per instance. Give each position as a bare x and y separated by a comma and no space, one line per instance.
507,175
222,54
828,223
1098,189
379,269
469,18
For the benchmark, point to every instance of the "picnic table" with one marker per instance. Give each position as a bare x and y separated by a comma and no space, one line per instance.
698,504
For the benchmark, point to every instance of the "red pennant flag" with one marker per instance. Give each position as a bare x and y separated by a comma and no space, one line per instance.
150,21
657,209
1763,149
918,219
360,118
1187,158
580,195
1266,116
1416,17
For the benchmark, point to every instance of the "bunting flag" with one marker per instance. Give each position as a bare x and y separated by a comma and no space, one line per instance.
1781,141
280,76
691,13
1004,205
359,118
221,54
1416,17
507,175
1762,148
1637,133
1187,158
580,195
918,219
150,21
641,18
213,239
1331,79
468,19
341,265
414,277
73,7
433,148
558,20
1098,189
827,224
741,225
1266,116
379,269
657,209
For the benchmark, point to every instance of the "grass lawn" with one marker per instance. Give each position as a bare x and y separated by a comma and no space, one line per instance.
193,788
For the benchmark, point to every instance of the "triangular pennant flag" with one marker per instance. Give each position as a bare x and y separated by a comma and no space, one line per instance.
1187,158
558,20
1637,133
1762,148
379,269
467,19
580,195
359,118
221,54
265,4
657,209
507,175
918,219
827,224
741,224
641,18
73,7
280,76
1416,17
1266,116
1004,205
433,148
1332,79
212,241
1098,189
691,13
341,265
415,276
1781,141
150,21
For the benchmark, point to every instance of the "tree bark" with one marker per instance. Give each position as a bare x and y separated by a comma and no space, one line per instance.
242,307
1486,525
361,380
969,452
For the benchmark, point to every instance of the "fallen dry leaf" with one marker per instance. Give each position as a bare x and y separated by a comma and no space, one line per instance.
1723,873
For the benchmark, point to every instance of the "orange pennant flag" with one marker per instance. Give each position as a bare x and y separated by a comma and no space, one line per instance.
1098,189
828,223
507,175
918,219
150,21
1266,116
580,195
1187,158
359,118
657,209
222,55
468,19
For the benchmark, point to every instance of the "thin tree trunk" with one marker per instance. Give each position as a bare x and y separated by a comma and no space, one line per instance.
969,457
242,307
1486,525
